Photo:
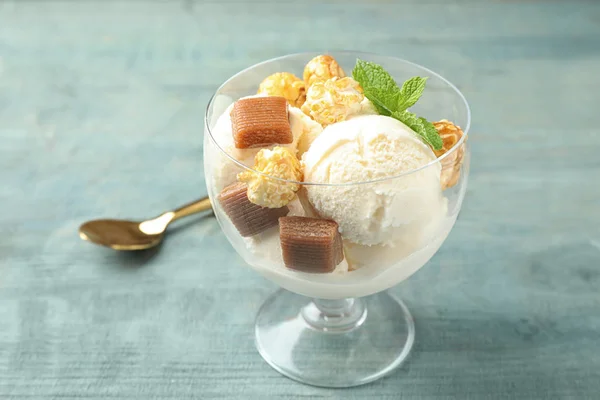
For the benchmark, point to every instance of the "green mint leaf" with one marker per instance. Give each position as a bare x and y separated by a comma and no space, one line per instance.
412,121
390,100
409,119
381,106
423,128
432,135
410,92
378,86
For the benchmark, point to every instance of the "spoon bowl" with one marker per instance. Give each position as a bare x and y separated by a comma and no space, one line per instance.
134,235
118,234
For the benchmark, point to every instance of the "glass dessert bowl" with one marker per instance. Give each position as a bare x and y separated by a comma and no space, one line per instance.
336,188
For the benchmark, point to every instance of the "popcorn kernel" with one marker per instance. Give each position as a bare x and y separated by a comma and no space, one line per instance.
333,100
450,135
322,68
284,84
265,191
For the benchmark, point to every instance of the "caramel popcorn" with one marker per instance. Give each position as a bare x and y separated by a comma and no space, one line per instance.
451,164
272,193
322,68
285,85
333,100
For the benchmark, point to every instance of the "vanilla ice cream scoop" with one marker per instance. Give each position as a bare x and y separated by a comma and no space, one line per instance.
367,148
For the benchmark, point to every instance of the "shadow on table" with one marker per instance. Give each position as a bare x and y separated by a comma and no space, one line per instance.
138,259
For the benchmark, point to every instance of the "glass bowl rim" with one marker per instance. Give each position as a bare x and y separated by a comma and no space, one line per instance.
437,160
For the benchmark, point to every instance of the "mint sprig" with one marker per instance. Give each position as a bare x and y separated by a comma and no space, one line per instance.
421,126
393,101
411,91
378,86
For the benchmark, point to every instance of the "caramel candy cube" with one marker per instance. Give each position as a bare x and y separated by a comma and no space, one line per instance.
249,218
260,122
310,244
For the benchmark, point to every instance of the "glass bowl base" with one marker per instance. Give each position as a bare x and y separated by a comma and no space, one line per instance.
334,343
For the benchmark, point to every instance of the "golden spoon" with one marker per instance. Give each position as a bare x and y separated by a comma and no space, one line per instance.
130,235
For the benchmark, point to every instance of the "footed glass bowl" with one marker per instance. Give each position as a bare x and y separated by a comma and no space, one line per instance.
342,328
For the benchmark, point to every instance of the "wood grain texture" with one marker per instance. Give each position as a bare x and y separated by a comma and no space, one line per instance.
101,110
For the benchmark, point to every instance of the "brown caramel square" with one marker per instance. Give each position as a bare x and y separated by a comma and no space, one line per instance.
249,218
310,244
260,122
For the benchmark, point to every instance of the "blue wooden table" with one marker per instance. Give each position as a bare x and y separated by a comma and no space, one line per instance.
101,111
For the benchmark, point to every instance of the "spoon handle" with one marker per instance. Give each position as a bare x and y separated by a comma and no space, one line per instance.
192,208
